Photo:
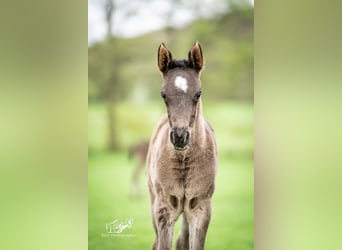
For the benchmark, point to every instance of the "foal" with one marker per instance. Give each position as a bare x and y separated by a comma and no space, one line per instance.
182,156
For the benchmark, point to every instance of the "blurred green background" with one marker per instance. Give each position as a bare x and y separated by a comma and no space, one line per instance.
124,106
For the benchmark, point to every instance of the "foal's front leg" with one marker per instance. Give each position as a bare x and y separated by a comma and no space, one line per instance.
183,238
165,219
199,218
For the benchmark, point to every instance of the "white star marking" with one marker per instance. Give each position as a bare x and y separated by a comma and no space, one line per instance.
181,83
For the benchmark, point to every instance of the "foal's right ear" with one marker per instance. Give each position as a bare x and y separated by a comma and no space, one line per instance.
164,58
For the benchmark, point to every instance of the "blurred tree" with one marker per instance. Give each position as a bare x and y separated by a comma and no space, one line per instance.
109,7
107,60
111,83
103,78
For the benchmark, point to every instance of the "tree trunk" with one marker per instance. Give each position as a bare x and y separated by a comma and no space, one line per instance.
112,138
109,13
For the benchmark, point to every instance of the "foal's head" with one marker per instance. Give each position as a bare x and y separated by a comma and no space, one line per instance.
181,91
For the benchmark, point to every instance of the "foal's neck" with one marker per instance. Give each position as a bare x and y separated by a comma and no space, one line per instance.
197,139
198,132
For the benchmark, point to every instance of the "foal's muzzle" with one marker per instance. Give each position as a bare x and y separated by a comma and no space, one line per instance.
179,138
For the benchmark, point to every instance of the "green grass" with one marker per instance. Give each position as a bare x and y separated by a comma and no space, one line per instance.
109,177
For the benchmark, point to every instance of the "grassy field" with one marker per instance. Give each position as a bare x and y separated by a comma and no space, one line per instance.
109,179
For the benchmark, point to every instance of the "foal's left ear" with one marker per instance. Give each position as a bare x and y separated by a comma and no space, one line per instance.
196,57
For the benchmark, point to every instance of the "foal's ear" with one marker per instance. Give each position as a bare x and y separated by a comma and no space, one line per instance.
164,58
196,57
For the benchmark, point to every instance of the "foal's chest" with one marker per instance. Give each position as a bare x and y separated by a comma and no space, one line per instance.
187,177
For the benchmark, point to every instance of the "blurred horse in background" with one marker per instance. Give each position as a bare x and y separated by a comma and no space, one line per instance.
139,152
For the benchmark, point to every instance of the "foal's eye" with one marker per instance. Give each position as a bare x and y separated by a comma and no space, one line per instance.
197,96
163,95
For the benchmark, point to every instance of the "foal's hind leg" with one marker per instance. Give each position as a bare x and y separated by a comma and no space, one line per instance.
183,238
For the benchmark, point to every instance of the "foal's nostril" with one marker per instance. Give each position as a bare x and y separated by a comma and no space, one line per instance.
172,137
186,137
